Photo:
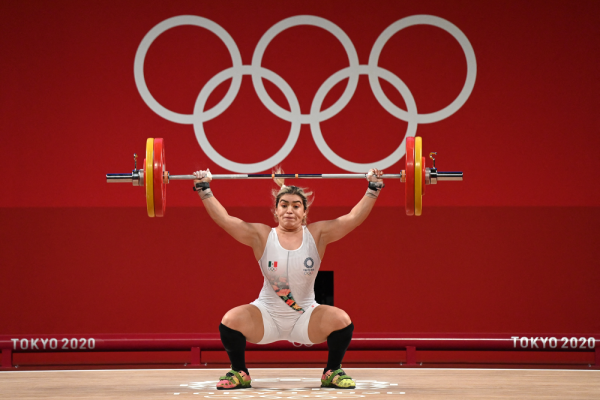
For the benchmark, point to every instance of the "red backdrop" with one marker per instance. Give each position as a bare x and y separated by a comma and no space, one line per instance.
513,248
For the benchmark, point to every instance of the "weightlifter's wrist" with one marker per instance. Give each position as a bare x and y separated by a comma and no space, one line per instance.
203,189
374,189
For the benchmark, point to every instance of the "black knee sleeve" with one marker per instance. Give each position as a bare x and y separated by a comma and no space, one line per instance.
338,342
232,340
235,346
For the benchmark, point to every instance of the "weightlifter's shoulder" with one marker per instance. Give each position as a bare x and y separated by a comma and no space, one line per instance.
260,234
260,229
260,237
316,228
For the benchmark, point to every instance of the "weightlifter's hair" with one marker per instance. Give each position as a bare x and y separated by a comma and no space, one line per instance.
306,196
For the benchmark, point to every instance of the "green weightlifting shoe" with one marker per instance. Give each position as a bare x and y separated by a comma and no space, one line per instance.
337,379
234,380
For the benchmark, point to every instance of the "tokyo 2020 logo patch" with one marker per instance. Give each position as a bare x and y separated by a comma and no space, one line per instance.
309,266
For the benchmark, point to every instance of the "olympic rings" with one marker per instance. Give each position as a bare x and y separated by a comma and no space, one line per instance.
316,115
331,28
140,56
287,147
464,44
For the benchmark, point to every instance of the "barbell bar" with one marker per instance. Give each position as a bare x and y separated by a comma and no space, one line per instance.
154,176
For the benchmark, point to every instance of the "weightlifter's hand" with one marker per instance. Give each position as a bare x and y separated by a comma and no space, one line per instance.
374,175
375,183
202,185
203,176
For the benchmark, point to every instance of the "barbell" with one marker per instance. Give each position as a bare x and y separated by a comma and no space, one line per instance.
154,176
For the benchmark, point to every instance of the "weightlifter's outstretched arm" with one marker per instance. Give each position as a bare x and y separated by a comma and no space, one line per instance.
250,234
333,230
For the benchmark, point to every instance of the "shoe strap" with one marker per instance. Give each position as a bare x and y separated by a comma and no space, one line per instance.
231,375
340,372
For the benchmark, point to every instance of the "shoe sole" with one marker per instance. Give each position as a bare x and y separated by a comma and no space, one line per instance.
235,388
337,387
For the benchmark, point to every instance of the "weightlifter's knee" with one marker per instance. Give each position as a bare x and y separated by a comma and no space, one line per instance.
246,319
340,319
235,319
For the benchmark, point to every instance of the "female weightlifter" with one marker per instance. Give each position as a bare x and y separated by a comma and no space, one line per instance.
289,256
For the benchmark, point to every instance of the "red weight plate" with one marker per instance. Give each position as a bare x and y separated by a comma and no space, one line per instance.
423,173
160,189
410,176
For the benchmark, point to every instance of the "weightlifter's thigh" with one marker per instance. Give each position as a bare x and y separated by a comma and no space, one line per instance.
324,320
246,319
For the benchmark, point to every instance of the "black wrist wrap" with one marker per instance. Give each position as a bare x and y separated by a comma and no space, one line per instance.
201,186
376,186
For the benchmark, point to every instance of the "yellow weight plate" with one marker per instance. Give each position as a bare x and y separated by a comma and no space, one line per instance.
418,175
149,176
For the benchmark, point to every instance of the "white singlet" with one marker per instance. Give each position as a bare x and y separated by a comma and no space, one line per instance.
287,298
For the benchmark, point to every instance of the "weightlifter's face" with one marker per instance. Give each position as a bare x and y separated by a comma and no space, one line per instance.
290,211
